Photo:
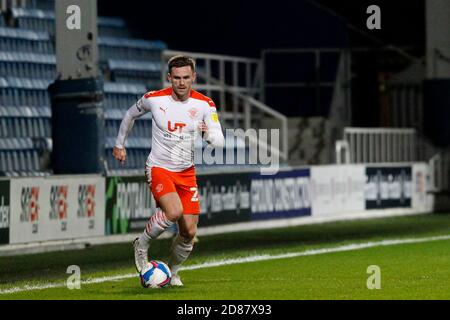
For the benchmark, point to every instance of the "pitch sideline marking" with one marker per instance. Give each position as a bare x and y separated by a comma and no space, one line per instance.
218,263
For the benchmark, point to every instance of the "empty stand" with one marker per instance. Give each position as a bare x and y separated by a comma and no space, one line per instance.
25,122
30,41
41,4
112,27
141,127
121,95
137,153
131,67
24,92
130,49
44,20
126,71
27,65
18,155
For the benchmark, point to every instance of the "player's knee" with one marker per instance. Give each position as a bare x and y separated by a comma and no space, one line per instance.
188,234
174,213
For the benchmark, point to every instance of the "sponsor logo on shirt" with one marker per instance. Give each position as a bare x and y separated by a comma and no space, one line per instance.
177,125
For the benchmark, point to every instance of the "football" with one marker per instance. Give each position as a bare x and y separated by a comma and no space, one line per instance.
155,275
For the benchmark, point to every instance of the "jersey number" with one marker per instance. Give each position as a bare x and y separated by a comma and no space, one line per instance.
195,196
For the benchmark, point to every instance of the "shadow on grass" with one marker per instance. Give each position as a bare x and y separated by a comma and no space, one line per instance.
53,265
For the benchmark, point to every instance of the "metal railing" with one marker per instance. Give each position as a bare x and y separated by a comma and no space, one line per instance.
217,72
376,145
238,101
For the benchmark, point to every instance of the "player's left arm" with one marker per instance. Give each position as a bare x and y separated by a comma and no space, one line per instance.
213,130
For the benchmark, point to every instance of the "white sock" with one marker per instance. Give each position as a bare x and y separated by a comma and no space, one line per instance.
156,225
179,252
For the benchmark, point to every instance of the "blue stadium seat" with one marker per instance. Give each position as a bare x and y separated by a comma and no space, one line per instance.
34,19
12,39
148,73
28,65
137,153
18,155
112,27
130,49
24,92
142,127
41,4
121,95
44,20
32,122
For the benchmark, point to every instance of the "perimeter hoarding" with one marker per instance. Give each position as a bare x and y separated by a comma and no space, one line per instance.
329,191
337,190
422,200
4,211
129,204
224,198
283,195
69,207
56,207
388,187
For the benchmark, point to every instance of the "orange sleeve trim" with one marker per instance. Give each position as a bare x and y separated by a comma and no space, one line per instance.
197,95
159,93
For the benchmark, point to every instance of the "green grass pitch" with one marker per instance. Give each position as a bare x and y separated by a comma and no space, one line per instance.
407,270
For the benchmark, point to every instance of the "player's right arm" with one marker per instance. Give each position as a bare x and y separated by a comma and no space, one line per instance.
141,107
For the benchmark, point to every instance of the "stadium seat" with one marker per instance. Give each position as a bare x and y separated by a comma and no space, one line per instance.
137,153
121,95
112,27
130,49
148,73
142,127
27,65
34,19
41,4
44,20
24,92
18,122
18,154
12,39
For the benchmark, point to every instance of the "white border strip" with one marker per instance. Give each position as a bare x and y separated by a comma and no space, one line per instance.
218,263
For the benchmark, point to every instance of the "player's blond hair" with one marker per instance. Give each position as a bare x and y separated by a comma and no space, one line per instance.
179,61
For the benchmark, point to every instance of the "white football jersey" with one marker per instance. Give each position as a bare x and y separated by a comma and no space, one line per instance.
174,124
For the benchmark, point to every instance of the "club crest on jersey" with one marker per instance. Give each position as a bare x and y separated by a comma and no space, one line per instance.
193,113
177,125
